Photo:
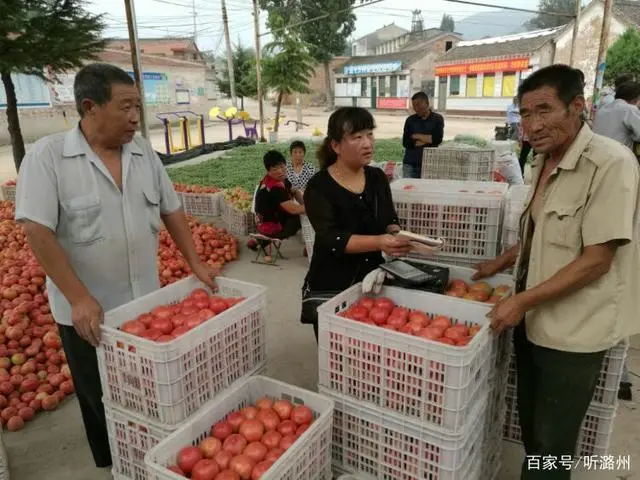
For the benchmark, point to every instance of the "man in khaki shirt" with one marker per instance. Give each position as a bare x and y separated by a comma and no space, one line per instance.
577,266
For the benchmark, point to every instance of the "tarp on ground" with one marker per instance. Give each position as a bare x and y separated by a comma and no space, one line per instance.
168,159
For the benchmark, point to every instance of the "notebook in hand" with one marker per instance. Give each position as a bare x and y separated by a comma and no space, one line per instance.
420,243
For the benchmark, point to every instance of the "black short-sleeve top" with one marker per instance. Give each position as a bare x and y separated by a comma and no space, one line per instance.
271,194
336,214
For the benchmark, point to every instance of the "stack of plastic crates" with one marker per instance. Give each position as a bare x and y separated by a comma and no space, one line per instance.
597,426
8,191
513,207
468,215
308,235
201,204
446,163
406,407
238,222
151,388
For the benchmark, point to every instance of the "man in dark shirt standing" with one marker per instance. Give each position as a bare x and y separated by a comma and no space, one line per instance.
424,128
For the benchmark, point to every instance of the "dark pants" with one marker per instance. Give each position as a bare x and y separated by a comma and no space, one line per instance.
83,363
290,227
411,171
555,389
524,153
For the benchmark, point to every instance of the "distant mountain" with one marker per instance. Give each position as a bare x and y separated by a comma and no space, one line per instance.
492,24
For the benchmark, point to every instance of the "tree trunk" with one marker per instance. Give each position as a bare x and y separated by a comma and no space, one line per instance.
242,103
276,122
329,91
17,142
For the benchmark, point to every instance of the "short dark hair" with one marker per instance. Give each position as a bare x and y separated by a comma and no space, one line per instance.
420,96
94,82
623,78
629,91
343,120
566,80
273,158
297,144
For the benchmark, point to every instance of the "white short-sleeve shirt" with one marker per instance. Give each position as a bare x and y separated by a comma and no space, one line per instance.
110,236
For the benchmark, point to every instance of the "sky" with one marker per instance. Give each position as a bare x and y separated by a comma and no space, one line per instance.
161,18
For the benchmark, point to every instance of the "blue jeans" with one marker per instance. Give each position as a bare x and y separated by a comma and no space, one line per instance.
411,171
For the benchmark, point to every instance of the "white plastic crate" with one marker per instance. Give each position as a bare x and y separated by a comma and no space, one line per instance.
446,163
308,235
201,204
595,433
606,392
167,382
131,436
308,459
377,446
425,382
513,207
8,192
237,221
467,215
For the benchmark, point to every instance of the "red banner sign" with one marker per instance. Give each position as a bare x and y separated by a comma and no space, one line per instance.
392,103
480,67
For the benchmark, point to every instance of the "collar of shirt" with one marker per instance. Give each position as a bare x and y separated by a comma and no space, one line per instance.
571,156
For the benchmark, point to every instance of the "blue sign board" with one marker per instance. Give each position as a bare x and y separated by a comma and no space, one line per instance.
156,87
386,67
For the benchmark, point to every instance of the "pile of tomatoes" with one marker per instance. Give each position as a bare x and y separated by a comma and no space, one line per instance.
478,291
246,443
181,187
34,374
215,246
384,313
167,322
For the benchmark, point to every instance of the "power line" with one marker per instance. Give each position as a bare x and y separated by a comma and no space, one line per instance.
504,7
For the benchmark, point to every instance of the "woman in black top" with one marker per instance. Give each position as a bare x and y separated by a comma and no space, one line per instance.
350,207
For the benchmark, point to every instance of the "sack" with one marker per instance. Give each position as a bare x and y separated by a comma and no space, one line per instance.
508,167
310,303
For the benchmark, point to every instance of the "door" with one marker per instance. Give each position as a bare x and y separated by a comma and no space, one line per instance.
374,95
442,94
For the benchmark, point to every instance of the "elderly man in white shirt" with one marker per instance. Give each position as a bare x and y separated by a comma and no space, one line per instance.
92,201
620,119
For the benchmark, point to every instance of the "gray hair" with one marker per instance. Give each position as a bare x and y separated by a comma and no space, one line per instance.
93,82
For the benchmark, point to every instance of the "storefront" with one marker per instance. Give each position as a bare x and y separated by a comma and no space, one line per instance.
482,76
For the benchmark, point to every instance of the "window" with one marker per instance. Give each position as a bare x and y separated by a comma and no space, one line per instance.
393,86
508,84
338,80
382,88
363,87
448,45
488,85
454,85
403,77
354,80
472,85
354,50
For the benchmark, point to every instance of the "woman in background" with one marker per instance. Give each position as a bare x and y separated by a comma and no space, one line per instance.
350,207
298,171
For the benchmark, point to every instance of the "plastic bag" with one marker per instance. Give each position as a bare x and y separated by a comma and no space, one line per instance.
508,167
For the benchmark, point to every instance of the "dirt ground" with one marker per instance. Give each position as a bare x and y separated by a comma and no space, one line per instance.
55,443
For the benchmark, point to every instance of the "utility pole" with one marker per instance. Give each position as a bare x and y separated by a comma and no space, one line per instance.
256,26
232,78
195,23
135,61
574,40
602,53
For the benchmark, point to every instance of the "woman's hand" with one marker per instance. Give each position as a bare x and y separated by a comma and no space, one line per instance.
394,246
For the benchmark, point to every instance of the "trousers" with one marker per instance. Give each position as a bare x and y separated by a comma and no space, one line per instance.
83,363
411,171
554,391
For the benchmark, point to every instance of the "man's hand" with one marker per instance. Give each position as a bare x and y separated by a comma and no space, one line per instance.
420,144
87,316
206,274
487,269
507,313
422,138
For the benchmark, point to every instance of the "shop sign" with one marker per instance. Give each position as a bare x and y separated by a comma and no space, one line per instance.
392,103
366,69
514,64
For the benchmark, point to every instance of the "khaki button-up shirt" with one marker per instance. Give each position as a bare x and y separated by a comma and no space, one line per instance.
110,236
591,198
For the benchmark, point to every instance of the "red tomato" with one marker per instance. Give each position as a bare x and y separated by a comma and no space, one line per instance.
401,312
302,429
178,319
205,469
442,321
221,430
419,317
181,330
163,312
301,414
366,302
474,329
228,475
217,305
264,402
223,458
269,418
133,327
378,315
193,321
145,318
188,457
199,294
283,408
384,302
271,439
210,446
287,441
358,313
235,419
414,327
252,430
429,333
235,444
162,324
260,469
242,465
274,454
462,328
287,427
454,334
448,341
256,451
464,341
396,322
249,412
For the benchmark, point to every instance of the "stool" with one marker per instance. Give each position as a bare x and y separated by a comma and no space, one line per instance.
265,242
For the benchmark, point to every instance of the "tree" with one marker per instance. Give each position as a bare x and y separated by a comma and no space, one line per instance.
326,38
551,21
57,35
244,68
286,68
623,56
447,24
